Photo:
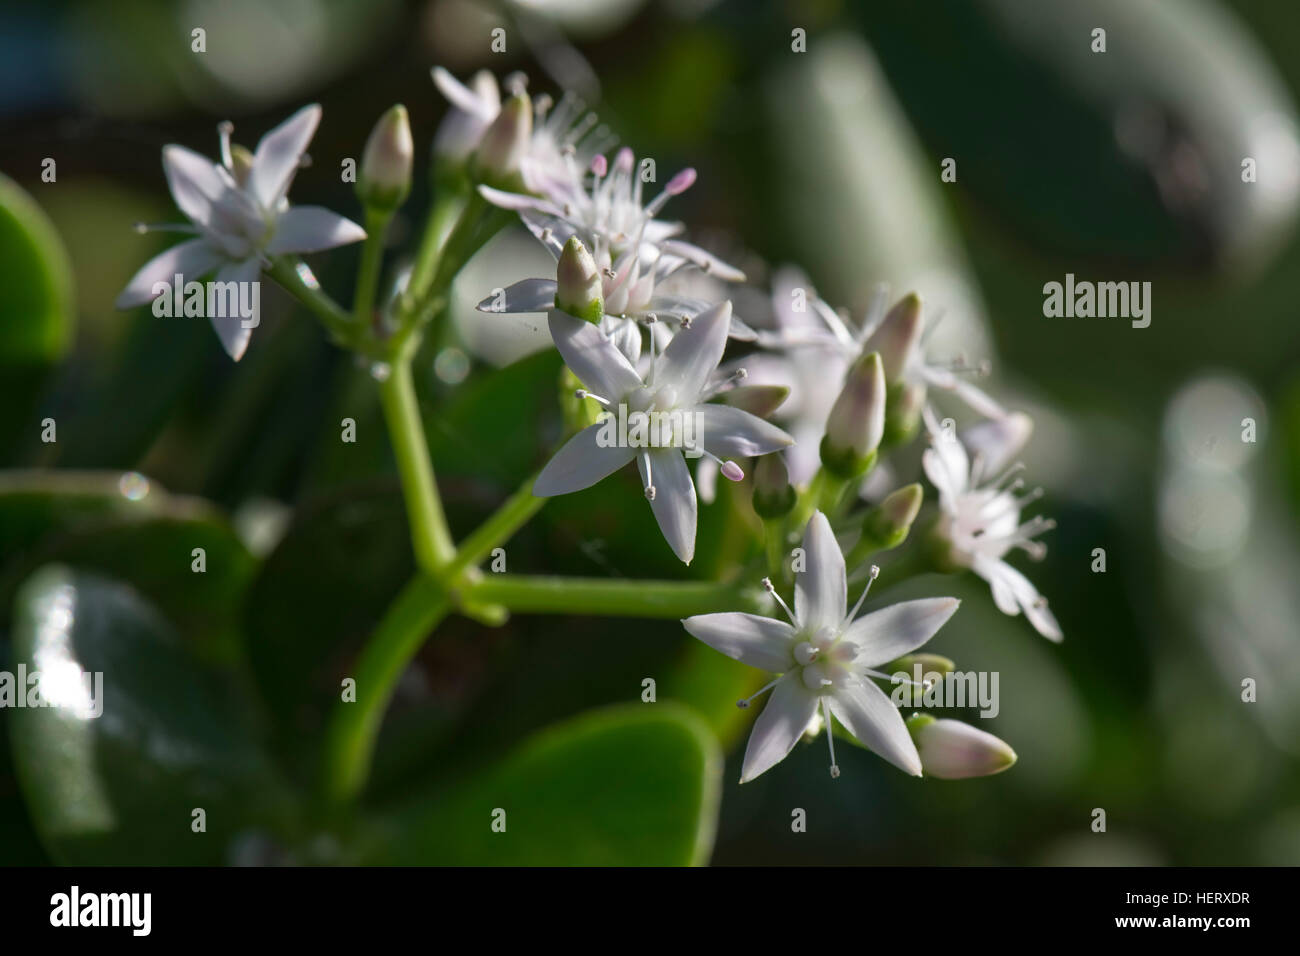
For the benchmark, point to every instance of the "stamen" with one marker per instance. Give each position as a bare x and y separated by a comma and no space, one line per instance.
732,472
583,393
1014,469
599,166
742,704
875,573
649,478
771,589
224,130
144,227
830,736
675,187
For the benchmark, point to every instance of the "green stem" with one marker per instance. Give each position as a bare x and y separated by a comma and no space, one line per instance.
430,536
613,598
774,547
336,320
503,523
354,728
372,253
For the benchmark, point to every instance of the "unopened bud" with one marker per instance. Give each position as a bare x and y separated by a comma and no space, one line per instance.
578,283
760,400
903,413
887,524
898,336
384,179
857,420
952,750
773,495
241,164
505,142
933,664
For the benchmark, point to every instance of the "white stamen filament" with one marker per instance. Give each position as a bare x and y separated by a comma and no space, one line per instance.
583,393
742,704
771,589
875,573
830,735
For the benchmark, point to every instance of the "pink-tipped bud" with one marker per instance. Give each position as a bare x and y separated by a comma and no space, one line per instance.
681,182
898,335
952,750
857,419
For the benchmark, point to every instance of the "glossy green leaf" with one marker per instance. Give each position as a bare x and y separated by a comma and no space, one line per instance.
121,524
628,785
114,773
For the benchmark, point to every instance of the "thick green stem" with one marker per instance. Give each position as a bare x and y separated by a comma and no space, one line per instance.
354,728
613,598
430,536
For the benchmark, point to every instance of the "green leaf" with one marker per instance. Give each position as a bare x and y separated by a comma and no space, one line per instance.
123,525
173,735
37,312
635,784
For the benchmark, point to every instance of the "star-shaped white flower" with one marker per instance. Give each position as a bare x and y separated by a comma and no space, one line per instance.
241,215
675,388
562,141
825,658
980,511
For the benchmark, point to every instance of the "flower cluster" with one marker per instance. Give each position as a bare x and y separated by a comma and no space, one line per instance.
643,319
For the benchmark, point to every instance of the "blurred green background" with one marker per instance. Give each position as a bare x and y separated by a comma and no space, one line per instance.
821,149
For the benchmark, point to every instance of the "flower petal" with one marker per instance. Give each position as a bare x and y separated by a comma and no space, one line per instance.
990,569
705,260
483,102
519,202
761,642
581,463
673,504
998,440
231,329
734,433
189,259
526,295
871,716
899,629
820,596
278,154
1033,603
195,182
311,229
780,725
593,358
694,353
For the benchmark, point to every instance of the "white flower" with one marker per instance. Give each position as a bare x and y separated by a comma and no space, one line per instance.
241,214
825,658
979,520
675,387
628,288
811,349
562,142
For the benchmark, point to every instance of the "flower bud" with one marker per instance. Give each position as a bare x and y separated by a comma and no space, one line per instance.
887,524
578,283
857,420
903,413
773,495
384,179
241,164
505,141
952,750
929,664
898,335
